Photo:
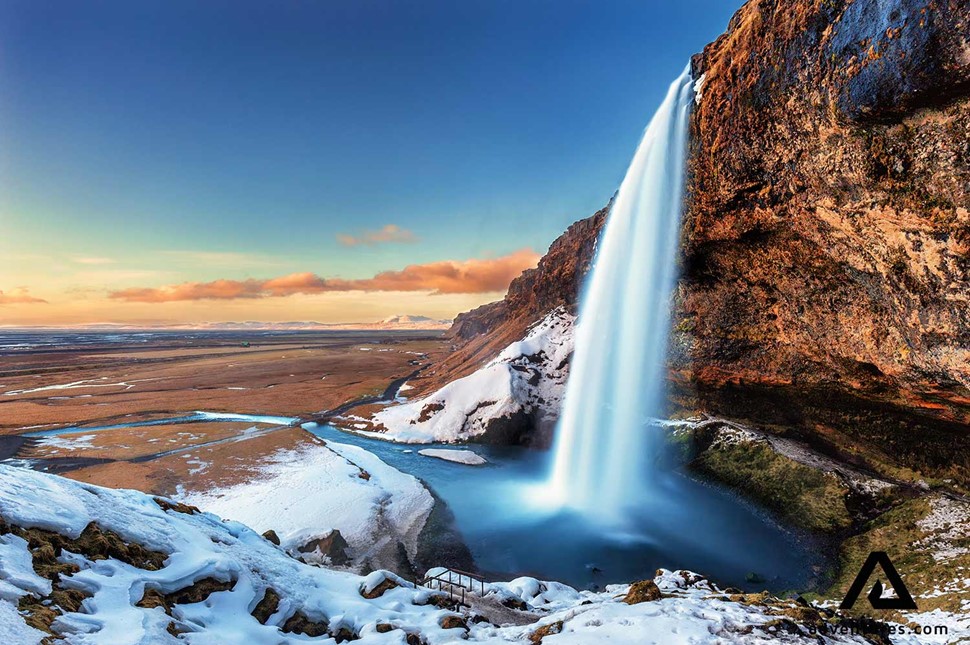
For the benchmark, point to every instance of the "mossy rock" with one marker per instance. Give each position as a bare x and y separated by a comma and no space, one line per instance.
546,630
806,497
642,591
268,605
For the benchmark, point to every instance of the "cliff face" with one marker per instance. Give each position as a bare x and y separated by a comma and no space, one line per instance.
479,335
826,271
826,241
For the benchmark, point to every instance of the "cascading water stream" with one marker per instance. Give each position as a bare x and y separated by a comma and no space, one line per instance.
601,458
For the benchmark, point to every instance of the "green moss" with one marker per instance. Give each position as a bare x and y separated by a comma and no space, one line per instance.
806,497
898,534
685,325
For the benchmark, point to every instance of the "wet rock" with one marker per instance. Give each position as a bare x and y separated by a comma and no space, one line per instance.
271,536
300,623
547,630
267,606
895,56
828,195
332,545
453,621
178,507
154,598
198,591
375,589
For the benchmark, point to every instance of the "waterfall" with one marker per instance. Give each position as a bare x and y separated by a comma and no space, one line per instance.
616,383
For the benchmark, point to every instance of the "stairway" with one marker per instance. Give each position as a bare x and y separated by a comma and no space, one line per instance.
470,590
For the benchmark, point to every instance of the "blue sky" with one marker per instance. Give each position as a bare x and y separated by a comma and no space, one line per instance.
191,141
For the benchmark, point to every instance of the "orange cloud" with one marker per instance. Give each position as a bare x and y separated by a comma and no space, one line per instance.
18,297
448,276
386,234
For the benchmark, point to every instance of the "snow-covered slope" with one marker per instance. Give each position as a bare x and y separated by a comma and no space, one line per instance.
119,549
527,378
104,567
304,494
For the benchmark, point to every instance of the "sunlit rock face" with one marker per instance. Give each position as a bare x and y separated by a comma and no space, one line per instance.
826,243
481,335
827,238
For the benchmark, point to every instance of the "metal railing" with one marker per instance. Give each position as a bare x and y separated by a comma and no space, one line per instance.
453,580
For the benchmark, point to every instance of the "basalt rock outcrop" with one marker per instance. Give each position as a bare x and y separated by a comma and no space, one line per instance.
826,269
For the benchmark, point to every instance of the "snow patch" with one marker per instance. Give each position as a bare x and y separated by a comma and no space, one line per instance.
458,456
17,577
699,88
304,494
59,443
13,629
948,523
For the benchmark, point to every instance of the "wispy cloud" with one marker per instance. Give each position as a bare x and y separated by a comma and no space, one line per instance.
448,276
95,261
18,296
390,233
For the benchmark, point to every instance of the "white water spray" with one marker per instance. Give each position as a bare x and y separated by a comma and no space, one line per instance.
616,381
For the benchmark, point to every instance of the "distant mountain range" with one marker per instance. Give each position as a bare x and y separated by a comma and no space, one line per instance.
397,321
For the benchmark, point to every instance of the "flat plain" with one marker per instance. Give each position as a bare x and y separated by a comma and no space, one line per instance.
122,409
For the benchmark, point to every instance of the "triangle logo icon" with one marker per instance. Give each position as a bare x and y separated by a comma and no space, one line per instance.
903,599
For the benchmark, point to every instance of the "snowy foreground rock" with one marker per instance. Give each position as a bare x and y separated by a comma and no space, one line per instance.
305,494
526,380
96,565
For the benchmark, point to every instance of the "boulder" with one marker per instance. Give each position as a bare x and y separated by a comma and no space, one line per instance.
642,591
332,545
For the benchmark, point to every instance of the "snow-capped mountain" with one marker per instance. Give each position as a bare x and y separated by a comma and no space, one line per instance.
410,321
